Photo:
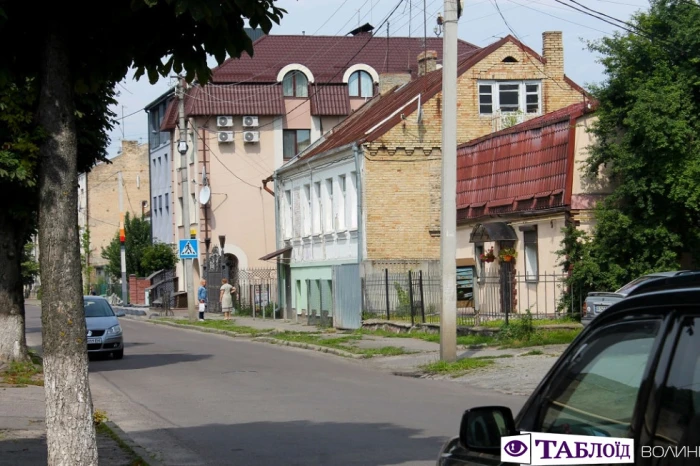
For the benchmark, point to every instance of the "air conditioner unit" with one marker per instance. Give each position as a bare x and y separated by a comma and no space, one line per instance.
250,121
224,121
225,136
251,136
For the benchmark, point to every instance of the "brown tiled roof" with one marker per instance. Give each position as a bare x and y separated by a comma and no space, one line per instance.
328,56
353,130
526,167
242,99
330,100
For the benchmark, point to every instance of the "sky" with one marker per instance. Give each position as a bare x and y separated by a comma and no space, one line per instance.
481,24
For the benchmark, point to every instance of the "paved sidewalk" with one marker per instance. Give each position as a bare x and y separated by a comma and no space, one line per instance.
23,431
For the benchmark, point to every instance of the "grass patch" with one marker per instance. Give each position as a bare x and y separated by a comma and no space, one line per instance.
136,460
25,373
541,338
345,343
535,322
515,335
468,340
457,368
228,325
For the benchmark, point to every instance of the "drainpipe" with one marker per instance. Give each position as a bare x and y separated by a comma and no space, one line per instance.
268,180
280,293
357,151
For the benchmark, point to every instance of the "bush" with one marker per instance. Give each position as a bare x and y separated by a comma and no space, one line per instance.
519,329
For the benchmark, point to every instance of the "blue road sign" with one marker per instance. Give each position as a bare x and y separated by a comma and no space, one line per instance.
189,249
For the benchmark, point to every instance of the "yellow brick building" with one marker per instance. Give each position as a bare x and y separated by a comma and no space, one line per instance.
391,151
102,195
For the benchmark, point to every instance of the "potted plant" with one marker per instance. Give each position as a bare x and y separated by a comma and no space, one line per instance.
488,256
507,254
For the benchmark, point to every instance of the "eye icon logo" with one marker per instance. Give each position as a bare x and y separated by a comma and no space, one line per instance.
515,448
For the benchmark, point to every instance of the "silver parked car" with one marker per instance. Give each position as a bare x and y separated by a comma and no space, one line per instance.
597,302
104,334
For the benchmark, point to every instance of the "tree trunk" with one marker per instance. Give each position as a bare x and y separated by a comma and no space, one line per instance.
13,345
69,423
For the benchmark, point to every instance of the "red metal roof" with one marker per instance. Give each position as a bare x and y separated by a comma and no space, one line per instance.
331,100
526,167
328,56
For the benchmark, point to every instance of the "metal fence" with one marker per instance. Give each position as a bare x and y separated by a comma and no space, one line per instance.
416,297
257,293
410,297
162,290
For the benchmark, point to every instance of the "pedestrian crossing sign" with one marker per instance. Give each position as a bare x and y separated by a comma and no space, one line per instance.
189,249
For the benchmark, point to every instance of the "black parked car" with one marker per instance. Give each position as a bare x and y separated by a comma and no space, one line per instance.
634,372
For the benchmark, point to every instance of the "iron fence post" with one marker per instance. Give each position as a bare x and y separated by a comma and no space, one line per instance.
422,298
508,303
410,296
386,286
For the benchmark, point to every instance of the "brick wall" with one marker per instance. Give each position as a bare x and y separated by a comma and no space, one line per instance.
103,194
137,289
402,182
389,80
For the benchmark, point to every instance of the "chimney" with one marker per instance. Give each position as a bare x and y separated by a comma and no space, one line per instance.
553,52
427,62
389,80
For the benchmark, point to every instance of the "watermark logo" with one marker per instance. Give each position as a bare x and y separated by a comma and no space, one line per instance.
537,448
515,448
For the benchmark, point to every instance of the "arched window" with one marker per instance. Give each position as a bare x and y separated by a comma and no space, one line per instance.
360,84
295,84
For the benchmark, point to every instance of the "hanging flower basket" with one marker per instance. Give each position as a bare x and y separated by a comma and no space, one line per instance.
507,254
487,256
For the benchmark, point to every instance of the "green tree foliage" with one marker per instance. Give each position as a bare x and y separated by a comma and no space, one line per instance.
30,267
647,139
77,59
142,257
85,256
158,256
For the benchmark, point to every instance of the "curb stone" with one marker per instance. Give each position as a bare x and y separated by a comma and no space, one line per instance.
138,449
131,311
202,329
322,349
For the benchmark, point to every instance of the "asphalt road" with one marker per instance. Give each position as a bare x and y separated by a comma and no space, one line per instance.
199,399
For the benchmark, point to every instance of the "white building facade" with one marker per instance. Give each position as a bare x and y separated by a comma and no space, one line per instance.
318,218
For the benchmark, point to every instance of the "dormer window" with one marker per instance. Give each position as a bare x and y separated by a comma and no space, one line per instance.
360,84
295,84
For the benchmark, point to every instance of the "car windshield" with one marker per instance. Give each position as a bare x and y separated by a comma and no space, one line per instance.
633,284
98,308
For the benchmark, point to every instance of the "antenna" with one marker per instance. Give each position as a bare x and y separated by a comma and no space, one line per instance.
410,16
425,32
204,195
386,57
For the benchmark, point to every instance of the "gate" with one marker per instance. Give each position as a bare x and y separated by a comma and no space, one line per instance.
214,276
347,296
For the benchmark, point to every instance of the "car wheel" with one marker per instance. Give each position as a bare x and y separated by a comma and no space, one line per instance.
118,354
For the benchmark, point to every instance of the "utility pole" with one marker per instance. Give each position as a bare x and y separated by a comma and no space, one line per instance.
448,218
122,241
183,148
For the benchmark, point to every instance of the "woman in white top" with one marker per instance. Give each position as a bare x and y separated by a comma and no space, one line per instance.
226,298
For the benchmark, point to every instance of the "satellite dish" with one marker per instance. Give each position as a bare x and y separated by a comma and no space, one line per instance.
204,195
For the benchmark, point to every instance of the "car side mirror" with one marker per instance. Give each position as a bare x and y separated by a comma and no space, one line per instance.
121,314
482,428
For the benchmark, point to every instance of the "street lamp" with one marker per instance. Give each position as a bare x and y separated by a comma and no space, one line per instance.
222,241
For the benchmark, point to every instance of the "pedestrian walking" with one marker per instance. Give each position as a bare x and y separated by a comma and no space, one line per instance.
202,297
226,298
